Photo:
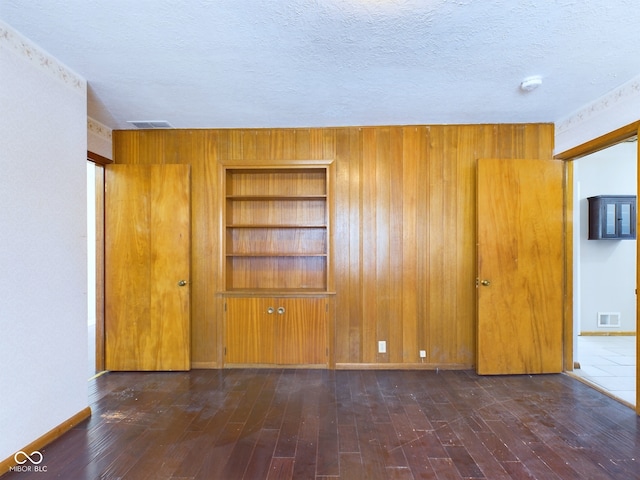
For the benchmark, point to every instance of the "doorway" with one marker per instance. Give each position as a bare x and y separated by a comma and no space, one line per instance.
605,278
91,266
95,262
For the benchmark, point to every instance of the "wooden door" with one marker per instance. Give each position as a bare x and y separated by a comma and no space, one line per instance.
301,337
250,330
147,267
520,266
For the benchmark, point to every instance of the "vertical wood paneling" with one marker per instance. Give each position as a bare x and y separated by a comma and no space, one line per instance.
382,201
411,316
396,199
468,140
352,273
369,254
302,148
342,237
205,242
404,237
438,294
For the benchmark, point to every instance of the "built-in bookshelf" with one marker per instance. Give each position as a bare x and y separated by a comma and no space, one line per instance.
276,229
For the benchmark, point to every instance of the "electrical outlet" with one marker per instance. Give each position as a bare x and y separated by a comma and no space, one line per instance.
423,354
382,346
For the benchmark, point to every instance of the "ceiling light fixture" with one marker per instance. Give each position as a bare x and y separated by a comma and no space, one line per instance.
531,83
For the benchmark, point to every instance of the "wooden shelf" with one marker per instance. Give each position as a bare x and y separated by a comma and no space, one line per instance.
280,292
261,198
271,254
274,226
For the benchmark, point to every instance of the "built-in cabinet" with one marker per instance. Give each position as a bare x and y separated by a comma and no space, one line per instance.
276,223
612,217
277,330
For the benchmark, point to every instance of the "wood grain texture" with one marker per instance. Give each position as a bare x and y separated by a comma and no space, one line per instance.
286,424
147,250
404,233
276,331
521,252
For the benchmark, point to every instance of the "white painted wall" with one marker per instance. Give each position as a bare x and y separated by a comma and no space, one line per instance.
43,249
607,272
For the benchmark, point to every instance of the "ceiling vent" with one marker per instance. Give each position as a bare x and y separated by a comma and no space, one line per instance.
150,124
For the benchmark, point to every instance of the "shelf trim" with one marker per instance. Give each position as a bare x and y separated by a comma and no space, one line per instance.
267,197
275,292
286,255
274,226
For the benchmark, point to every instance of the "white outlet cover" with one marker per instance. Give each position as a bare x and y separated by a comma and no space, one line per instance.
382,346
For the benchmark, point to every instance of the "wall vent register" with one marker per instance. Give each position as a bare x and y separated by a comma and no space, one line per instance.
608,319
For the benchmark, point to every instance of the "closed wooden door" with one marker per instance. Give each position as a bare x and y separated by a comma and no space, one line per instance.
301,337
250,330
521,261
147,267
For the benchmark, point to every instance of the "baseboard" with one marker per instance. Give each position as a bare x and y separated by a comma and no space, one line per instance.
204,365
272,365
340,366
607,334
47,438
403,366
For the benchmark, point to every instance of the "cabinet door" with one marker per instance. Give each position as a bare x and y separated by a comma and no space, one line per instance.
301,337
250,330
278,331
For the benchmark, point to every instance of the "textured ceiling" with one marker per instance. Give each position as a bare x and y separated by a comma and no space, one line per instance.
268,63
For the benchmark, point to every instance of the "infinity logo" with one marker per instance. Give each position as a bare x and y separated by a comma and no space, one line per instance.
29,458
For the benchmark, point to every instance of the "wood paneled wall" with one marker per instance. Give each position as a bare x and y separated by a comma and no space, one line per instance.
404,234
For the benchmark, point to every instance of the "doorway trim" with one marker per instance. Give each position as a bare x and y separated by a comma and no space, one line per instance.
587,148
100,161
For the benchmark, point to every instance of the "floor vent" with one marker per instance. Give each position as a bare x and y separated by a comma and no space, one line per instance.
608,319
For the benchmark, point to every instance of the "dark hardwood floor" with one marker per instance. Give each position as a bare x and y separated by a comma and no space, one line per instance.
298,424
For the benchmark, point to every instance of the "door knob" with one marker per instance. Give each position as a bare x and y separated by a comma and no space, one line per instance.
182,283
485,283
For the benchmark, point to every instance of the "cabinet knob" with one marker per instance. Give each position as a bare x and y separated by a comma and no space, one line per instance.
182,283
270,310
280,310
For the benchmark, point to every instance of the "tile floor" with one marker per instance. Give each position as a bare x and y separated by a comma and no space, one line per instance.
609,363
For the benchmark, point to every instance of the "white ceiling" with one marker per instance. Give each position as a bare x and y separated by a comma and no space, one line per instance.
306,63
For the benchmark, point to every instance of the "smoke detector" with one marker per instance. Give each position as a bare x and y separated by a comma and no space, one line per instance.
531,83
